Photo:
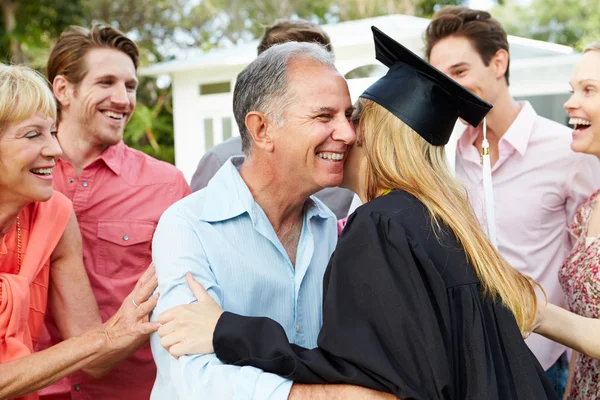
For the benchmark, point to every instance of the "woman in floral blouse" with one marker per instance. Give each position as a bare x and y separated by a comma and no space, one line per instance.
580,275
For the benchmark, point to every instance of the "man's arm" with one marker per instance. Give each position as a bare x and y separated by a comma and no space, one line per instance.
181,188
177,250
336,392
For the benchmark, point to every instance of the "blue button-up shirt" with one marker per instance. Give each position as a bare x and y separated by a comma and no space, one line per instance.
224,238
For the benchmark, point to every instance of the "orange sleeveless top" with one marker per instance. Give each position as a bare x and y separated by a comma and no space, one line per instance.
24,293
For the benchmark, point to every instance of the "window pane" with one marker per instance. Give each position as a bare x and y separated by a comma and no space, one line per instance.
215,88
226,128
209,140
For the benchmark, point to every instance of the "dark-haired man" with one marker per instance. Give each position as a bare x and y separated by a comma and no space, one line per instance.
538,181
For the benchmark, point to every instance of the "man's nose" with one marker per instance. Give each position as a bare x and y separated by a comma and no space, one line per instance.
345,132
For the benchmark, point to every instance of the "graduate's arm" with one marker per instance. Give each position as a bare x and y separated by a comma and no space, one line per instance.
572,330
262,343
189,330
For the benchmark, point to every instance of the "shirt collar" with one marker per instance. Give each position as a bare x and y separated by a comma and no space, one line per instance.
113,156
517,135
519,132
227,196
467,140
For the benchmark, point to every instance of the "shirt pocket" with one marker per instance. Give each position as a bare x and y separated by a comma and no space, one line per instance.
124,248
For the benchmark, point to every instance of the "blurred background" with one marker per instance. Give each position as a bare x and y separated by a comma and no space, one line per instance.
167,30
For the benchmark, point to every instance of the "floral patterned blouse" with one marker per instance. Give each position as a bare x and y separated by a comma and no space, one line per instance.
580,280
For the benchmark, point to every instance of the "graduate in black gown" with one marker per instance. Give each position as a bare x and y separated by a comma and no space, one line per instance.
416,300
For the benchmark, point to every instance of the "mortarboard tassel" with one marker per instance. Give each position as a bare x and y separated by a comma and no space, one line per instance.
488,190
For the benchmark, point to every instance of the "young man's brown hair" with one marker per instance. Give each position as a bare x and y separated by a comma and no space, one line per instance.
293,31
68,54
484,32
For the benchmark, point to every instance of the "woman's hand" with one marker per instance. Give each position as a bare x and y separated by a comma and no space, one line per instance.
129,327
189,329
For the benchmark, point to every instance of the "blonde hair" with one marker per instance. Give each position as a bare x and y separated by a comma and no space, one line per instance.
24,92
594,46
398,158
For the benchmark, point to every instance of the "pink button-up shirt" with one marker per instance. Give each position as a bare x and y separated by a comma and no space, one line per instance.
118,200
538,184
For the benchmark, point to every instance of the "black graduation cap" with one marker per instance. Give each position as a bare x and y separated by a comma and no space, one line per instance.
420,95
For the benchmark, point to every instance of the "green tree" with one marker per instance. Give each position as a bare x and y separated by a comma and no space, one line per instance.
214,22
569,22
29,28
162,28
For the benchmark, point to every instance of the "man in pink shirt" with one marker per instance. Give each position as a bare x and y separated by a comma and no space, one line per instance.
538,182
118,193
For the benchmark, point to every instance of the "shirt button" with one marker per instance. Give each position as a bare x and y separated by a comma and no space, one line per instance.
77,388
70,180
298,328
126,238
84,184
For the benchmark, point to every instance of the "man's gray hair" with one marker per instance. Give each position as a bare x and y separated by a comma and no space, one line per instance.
263,85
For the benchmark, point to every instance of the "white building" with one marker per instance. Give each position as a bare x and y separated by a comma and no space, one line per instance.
203,83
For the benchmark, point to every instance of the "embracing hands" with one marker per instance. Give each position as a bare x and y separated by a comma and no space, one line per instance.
189,329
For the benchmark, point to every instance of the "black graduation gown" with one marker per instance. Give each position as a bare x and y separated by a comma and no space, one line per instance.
403,312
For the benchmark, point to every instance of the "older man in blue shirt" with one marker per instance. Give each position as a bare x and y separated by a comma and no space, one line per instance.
256,238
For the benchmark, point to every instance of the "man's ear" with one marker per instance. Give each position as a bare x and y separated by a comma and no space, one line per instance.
258,126
62,89
500,63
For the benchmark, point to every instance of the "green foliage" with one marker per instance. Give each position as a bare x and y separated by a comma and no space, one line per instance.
569,22
38,24
161,28
152,132
426,8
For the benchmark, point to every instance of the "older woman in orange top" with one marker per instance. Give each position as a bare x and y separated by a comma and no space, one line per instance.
40,256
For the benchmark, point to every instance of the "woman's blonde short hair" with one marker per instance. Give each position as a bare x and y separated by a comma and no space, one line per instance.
24,93
594,46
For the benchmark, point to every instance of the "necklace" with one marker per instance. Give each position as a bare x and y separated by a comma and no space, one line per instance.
18,245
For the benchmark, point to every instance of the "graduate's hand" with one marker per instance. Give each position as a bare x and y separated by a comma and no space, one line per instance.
189,329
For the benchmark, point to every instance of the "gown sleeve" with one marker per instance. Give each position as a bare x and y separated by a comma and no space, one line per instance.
385,320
